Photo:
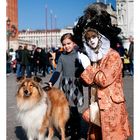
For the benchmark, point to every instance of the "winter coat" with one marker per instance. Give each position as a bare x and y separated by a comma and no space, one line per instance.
108,78
25,57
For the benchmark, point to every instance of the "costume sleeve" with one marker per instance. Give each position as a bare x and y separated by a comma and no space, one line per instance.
54,77
106,73
57,72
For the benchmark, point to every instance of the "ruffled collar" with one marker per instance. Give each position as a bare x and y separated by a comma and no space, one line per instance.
103,50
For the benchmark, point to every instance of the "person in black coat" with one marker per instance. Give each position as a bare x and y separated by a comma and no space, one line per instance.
49,62
43,60
131,55
25,62
36,57
32,59
18,60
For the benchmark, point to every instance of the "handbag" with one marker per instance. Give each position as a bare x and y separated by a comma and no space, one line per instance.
92,114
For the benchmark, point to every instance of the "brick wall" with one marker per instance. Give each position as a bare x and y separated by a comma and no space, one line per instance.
12,14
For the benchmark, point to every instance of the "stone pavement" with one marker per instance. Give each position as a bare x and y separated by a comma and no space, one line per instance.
14,129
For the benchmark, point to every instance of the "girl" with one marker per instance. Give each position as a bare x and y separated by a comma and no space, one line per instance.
68,65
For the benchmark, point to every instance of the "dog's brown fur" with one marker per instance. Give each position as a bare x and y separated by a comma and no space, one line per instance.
31,95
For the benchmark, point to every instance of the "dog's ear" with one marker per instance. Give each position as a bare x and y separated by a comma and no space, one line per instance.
37,79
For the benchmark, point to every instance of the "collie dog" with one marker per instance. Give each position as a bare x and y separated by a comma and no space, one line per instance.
41,111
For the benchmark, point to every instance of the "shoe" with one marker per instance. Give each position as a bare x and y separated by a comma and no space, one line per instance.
18,79
43,76
75,137
68,131
8,74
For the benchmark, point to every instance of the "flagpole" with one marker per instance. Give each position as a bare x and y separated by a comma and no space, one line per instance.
46,11
51,25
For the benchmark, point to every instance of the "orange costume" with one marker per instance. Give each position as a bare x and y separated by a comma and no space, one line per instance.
108,78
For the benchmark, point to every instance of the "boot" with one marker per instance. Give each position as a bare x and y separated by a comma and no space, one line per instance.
75,124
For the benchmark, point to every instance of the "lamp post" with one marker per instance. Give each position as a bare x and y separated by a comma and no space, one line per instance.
51,16
11,31
55,18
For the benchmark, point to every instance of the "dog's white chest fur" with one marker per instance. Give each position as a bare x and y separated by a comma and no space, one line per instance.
31,120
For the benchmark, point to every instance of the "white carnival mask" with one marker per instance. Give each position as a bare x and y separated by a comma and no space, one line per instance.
93,42
103,48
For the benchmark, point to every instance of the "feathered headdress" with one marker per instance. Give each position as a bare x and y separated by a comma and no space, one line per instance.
96,17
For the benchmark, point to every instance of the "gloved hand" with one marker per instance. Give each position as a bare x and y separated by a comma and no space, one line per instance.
84,60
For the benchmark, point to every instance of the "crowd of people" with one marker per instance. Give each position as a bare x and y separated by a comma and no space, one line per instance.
94,57
32,62
41,61
126,56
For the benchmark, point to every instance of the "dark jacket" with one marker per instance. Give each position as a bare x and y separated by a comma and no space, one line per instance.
25,57
131,51
42,57
18,56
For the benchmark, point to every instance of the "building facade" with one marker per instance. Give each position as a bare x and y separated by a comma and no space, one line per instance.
125,17
42,38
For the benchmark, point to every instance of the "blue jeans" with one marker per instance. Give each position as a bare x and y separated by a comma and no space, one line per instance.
27,69
8,67
18,70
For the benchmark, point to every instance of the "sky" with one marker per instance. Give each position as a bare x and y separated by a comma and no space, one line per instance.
32,13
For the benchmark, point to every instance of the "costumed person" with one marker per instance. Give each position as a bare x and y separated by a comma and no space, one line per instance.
93,13
68,66
104,76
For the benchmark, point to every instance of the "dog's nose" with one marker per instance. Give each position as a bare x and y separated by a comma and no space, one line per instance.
26,93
